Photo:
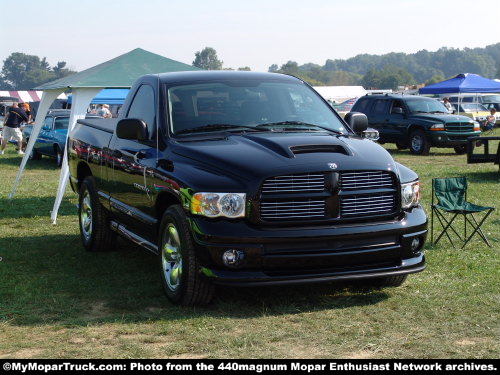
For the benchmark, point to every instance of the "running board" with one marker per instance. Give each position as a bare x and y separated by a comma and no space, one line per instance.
124,232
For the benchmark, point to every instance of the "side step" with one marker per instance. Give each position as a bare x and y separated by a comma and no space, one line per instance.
138,240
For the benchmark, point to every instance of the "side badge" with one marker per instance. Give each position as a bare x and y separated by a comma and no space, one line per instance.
332,165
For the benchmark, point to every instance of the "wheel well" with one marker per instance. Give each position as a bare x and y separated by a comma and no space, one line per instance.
415,127
82,171
164,201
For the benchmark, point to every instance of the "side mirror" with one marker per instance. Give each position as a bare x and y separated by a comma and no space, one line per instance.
357,121
398,111
132,128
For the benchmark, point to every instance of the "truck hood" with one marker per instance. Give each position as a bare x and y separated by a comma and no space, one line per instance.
440,118
260,155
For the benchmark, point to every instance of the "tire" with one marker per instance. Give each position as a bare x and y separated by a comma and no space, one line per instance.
401,146
95,230
180,272
389,281
59,156
460,150
418,143
34,154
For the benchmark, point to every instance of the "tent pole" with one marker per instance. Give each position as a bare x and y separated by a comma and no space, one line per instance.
48,97
81,100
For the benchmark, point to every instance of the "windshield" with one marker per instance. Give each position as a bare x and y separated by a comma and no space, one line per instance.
249,105
426,106
473,107
491,99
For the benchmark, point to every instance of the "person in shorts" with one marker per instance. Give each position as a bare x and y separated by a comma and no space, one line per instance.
11,127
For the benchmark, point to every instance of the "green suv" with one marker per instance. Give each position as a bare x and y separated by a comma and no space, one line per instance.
416,122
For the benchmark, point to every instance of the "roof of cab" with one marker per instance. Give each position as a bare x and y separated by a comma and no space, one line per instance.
222,75
395,96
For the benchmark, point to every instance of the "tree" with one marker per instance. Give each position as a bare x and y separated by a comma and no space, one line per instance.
390,77
435,79
245,68
24,72
291,67
207,59
273,68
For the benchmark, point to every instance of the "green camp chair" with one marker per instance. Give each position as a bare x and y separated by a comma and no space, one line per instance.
451,194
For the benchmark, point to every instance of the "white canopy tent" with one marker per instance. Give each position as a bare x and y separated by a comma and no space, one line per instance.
119,72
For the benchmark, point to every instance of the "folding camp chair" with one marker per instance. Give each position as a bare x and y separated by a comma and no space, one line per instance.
451,194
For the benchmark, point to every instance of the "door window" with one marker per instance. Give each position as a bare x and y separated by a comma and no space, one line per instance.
143,108
397,104
379,106
47,123
61,123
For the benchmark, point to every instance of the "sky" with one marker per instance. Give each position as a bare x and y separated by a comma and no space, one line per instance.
253,33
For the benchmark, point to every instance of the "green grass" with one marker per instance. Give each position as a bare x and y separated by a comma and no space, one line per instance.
56,300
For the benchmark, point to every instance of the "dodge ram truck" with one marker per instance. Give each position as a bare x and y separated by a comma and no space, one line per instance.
245,179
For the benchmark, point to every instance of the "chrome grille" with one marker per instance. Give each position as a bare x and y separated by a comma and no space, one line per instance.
365,180
363,205
459,127
292,209
295,183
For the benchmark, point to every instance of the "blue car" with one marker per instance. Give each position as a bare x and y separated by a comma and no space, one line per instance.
52,137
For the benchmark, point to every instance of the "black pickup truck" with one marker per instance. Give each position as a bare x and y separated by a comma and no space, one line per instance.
245,179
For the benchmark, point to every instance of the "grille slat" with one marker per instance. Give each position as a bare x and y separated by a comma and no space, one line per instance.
313,182
295,209
365,180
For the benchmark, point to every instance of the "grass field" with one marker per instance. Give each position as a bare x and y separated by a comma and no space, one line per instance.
56,300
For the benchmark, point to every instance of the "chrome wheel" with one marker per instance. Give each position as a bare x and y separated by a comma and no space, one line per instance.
171,257
417,142
86,216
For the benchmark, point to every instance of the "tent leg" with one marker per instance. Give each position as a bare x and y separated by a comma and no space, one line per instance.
81,100
48,98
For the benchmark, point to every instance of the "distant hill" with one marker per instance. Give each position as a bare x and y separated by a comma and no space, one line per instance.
423,66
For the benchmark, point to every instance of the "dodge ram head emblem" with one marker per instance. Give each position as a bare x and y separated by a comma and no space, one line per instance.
332,165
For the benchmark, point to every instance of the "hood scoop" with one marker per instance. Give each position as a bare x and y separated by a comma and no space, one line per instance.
312,149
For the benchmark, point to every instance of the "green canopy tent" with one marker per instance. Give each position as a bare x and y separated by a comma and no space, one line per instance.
120,72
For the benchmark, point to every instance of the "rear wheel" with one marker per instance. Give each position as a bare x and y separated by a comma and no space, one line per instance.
180,270
59,155
95,230
460,150
34,154
419,145
401,146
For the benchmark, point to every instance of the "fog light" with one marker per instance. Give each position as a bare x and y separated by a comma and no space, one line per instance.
415,244
233,258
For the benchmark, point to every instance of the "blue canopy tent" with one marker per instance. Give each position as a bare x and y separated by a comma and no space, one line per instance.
462,83
108,96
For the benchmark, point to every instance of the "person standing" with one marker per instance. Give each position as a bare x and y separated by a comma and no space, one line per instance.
104,111
11,130
448,105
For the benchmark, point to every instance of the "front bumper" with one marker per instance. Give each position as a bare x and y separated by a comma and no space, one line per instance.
451,139
313,254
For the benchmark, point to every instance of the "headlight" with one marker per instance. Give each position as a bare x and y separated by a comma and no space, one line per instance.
231,205
477,127
410,194
437,127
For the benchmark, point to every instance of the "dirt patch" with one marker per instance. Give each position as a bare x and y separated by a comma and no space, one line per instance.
23,353
361,354
189,356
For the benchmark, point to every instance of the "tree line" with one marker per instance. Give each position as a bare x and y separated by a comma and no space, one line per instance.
22,72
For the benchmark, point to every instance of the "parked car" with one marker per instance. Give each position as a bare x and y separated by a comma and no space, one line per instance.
487,100
52,137
474,111
416,122
245,178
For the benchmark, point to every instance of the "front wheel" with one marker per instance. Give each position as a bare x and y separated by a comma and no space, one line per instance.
419,145
460,150
389,281
180,270
34,154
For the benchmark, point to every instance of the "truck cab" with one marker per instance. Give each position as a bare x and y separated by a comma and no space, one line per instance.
244,179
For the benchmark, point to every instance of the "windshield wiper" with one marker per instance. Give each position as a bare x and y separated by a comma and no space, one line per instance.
300,123
211,127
